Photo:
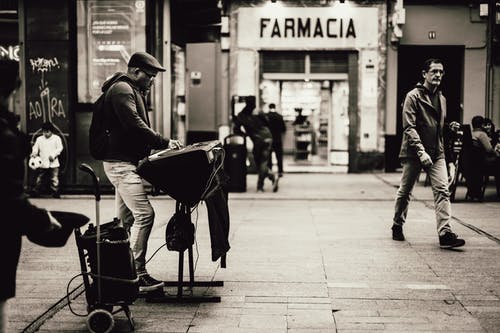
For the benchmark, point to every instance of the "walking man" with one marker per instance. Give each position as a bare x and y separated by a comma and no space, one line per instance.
131,139
424,111
255,126
278,128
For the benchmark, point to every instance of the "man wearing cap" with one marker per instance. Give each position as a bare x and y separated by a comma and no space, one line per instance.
131,139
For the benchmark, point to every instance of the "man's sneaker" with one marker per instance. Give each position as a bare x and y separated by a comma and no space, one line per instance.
397,232
450,240
147,283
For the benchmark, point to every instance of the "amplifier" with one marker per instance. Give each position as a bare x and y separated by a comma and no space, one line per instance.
182,173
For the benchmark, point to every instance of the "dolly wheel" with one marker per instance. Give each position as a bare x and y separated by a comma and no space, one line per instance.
100,321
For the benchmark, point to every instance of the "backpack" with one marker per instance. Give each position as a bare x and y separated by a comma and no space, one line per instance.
179,234
98,131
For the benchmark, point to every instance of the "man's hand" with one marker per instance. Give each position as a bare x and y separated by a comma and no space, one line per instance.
174,144
425,159
451,172
454,126
54,224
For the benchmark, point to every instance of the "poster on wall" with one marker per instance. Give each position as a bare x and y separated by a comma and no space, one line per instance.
116,30
47,91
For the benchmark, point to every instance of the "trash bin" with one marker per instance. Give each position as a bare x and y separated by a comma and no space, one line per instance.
235,162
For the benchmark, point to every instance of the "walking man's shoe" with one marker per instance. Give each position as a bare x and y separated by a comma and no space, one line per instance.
147,283
397,232
450,240
275,183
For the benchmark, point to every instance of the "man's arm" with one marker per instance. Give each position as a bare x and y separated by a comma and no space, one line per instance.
410,129
237,126
59,146
410,123
124,104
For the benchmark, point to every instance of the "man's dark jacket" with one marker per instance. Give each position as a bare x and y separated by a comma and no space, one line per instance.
276,125
256,126
423,126
131,137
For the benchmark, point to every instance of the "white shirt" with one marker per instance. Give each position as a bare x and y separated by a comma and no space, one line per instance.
45,147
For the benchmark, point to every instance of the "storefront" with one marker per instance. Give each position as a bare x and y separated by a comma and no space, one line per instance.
457,33
322,63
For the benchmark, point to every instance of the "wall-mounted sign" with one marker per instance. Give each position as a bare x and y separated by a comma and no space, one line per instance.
195,78
308,28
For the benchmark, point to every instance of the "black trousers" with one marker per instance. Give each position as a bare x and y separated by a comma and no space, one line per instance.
277,147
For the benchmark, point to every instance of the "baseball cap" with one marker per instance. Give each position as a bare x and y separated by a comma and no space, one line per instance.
146,61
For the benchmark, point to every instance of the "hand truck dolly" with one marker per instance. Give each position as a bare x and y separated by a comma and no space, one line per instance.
108,268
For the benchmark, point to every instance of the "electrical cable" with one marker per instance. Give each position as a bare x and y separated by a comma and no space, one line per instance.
156,251
67,295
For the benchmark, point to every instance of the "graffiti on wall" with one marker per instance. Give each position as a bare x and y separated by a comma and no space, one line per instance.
45,100
46,107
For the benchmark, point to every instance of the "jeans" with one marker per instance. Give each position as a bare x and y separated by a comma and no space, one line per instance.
53,176
261,152
438,175
132,207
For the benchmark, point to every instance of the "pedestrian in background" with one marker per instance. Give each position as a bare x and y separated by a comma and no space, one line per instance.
256,127
424,112
488,162
278,129
131,139
19,216
48,147
489,129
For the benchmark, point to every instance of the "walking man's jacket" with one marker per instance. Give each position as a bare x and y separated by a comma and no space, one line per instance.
423,124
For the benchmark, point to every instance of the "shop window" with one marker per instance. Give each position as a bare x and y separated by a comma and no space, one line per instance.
109,31
304,62
328,62
283,62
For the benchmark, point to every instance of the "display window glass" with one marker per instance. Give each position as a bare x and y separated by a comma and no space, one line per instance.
108,32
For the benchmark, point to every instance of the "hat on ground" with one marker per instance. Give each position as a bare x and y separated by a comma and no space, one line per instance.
58,237
146,61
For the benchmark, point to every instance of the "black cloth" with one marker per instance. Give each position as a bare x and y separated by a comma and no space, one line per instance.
218,223
218,215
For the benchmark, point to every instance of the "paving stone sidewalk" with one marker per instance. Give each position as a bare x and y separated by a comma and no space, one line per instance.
315,257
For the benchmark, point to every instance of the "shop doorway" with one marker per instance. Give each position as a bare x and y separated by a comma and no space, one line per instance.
317,122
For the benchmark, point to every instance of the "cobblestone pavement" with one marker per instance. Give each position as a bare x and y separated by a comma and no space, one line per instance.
317,256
